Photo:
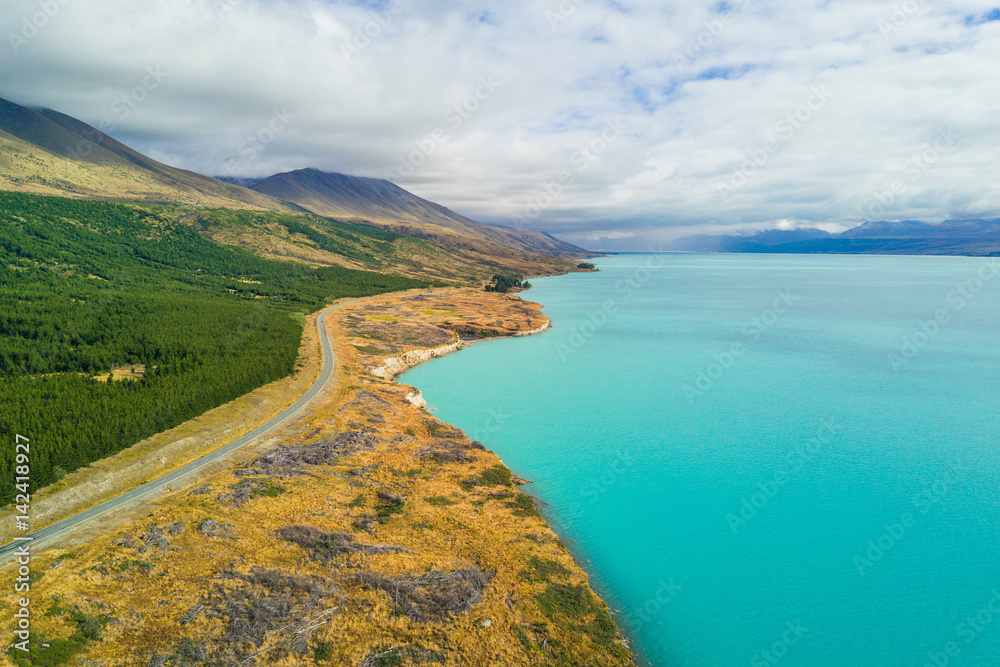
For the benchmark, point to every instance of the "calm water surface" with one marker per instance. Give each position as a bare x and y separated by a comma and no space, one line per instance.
762,459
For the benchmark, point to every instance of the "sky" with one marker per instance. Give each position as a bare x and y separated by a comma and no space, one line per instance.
613,124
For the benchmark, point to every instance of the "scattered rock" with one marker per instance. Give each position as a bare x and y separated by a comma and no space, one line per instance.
363,472
126,542
391,498
431,596
213,528
244,491
289,461
450,451
175,528
155,539
417,398
327,546
365,521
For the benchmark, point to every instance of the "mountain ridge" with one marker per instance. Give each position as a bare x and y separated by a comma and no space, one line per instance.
43,151
384,203
967,236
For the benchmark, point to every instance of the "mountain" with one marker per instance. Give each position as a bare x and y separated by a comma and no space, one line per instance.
46,152
388,205
756,243
905,237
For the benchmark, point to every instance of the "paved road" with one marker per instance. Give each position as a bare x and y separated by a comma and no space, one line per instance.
62,527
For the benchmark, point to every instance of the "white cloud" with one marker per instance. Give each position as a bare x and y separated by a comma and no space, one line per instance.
699,88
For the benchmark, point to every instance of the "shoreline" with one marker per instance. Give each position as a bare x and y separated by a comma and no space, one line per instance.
367,492
393,368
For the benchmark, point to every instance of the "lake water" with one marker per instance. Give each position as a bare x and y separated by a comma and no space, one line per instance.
762,460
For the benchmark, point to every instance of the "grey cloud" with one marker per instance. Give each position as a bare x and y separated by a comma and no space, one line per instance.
701,92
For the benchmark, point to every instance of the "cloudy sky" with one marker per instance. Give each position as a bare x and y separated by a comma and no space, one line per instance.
611,123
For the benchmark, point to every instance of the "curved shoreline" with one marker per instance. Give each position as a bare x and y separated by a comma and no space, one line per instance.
393,367
365,495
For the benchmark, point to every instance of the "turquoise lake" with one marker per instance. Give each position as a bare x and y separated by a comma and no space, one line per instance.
759,459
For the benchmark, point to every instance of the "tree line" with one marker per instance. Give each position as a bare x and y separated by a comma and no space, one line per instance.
86,287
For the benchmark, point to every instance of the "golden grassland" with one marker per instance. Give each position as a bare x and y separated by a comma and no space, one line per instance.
370,534
27,168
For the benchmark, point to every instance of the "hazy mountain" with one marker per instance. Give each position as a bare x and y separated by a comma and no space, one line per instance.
756,243
46,152
386,204
905,237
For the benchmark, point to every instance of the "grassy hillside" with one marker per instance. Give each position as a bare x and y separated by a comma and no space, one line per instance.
45,152
384,203
320,241
90,287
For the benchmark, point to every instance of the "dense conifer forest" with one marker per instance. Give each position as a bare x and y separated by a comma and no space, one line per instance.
87,287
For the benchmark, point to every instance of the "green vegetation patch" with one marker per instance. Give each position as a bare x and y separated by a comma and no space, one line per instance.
506,283
498,475
269,489
61,650
541,570
87,287
570,607
388,505
323,651
524,506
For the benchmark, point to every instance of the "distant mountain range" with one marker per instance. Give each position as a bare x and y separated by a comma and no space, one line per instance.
46,152
906,237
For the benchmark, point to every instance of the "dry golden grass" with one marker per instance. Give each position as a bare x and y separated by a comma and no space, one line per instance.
461,522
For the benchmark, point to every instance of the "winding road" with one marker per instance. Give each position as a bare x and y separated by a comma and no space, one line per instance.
62,527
